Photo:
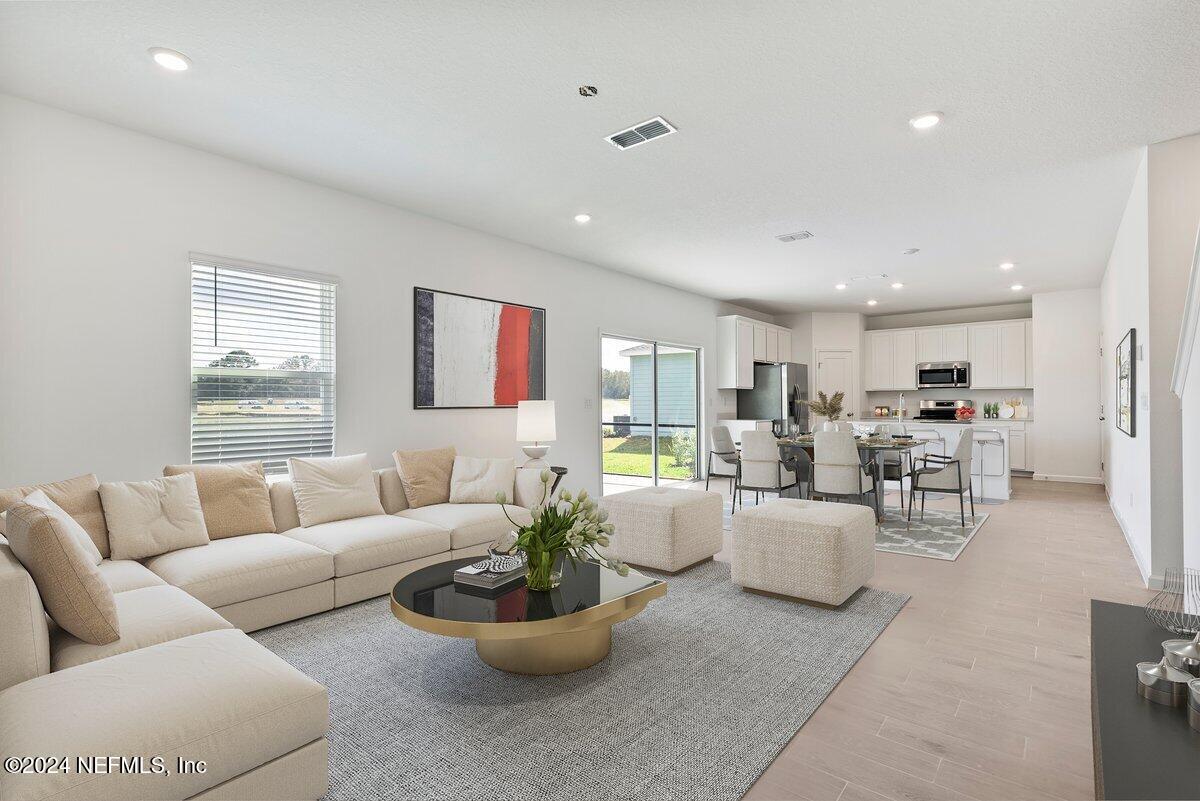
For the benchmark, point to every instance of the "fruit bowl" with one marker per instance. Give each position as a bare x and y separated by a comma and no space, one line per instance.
964,415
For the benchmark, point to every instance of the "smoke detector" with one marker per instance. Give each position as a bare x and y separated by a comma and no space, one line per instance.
641,133
796,237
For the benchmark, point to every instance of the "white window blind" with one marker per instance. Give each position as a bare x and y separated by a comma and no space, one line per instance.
262,366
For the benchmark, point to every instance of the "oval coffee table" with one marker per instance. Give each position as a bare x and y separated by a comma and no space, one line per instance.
521,631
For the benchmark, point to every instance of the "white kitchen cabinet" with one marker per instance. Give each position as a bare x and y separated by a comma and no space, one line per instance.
1012,355
880,361
760,342
1018,452
929,345
742,341
1029,353
983,342
904,360
954,344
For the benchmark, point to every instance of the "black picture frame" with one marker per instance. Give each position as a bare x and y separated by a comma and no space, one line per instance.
1126,372
424,338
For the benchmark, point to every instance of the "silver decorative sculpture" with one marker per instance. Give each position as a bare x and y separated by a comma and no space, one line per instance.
1169,681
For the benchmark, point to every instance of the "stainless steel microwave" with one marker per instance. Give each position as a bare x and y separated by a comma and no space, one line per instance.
939,375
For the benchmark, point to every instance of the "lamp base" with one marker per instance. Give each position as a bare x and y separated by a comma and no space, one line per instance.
536,454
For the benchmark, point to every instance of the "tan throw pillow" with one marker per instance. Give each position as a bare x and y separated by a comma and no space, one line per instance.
234,497
425,475
38,498
336,488
78,497
148,518
477,480
74,593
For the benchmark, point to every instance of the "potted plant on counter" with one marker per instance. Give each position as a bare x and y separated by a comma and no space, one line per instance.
566,529
828,407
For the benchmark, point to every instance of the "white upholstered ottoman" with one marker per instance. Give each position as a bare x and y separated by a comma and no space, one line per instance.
812,550
664,529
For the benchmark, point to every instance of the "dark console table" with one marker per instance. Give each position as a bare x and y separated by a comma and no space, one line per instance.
1140,749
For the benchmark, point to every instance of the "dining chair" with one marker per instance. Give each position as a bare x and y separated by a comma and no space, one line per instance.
897,465
797,459
949,474
725,453
760,469
837,469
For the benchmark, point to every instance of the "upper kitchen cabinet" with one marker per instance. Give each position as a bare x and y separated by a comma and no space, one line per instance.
891,360
741,342
997,352
904,360
942,344
954,344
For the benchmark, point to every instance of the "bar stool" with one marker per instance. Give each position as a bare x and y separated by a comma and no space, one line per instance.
985,439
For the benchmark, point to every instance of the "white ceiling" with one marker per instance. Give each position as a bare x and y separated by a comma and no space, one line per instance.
791,116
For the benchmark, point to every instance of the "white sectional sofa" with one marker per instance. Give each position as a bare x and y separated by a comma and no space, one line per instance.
184,680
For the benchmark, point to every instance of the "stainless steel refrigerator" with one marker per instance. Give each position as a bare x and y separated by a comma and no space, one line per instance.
779,390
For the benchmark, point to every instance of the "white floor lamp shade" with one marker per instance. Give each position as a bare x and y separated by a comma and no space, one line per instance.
535,423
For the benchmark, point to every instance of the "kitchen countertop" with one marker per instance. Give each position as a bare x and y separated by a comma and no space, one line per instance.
913,421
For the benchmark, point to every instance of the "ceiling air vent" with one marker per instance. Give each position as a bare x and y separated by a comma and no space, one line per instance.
795,237
641,133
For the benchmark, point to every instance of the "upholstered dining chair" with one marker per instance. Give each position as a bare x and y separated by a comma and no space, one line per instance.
797,460
948,474
760,468
897,465
837,470
722,456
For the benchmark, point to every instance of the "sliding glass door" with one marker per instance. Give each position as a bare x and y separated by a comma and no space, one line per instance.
650,393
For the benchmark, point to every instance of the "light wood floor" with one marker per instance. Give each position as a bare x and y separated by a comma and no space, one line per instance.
980,686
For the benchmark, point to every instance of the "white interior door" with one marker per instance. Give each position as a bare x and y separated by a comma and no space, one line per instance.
835,373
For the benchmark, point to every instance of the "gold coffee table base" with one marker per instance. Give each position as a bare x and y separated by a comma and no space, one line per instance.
548,654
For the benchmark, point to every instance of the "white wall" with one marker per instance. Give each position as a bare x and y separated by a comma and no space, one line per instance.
1125,304
1066,374
1191,463
97,223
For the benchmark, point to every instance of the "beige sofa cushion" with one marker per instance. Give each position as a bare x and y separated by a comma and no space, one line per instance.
391,491
241,568
470,523
425,475
72,590
218,697
148,616
233,497
336,488
147,518
24,635
39,499
366,543
477,480
123,575
79,497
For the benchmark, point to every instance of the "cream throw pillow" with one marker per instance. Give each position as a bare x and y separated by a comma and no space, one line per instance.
336,488
425,475
148,518
74,593
234,497
38,498
477,480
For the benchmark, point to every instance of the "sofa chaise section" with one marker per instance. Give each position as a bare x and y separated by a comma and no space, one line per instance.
216,696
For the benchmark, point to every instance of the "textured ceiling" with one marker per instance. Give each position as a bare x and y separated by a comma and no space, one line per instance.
792,116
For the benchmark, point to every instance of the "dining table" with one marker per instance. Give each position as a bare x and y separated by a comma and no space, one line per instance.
872,447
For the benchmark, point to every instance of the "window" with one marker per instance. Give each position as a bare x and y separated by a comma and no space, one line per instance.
262,365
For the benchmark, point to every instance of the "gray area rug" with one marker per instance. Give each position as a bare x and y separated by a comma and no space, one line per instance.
940,535
700,693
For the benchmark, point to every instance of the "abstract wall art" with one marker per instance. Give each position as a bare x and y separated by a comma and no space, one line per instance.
1127,384
472,353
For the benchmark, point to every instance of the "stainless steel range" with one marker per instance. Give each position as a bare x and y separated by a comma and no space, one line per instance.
941,409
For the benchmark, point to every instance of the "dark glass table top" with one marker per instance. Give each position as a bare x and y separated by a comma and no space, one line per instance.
431,592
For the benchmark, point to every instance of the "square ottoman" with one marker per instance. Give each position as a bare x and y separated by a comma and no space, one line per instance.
815,551
665,529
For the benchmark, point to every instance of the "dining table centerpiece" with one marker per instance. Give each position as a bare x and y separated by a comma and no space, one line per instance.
564,529
829,407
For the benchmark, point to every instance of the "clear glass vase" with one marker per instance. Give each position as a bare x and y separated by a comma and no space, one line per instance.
543,569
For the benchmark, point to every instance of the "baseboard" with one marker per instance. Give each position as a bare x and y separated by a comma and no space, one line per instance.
1151,581
1068,479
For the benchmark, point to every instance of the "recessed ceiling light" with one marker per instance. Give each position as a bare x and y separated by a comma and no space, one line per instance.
583,218
1008,265
923,122
897,285
872,302
1017,287
171,60
839,286
912,251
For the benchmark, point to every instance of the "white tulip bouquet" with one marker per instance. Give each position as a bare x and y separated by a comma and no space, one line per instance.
570,528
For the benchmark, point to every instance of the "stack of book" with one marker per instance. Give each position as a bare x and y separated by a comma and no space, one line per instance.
494,574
